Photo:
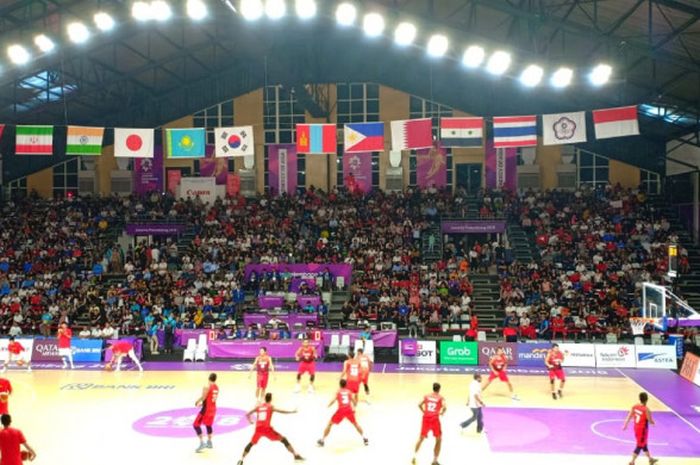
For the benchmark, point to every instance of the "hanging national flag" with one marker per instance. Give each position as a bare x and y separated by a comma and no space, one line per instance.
363,137
462,132
81,140
34,140
2,128
316,138
514,131
412,134
133,143
186,143
564,128
234,142
616,122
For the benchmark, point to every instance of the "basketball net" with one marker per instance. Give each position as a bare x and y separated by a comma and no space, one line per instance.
638,324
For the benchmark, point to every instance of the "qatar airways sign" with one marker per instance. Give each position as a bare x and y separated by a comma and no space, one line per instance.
204,188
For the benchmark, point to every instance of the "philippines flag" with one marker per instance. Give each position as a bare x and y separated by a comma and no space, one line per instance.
363,137
514,131
412,134
316,138
616,122
461,132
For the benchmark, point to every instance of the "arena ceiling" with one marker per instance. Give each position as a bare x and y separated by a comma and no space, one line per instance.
145,74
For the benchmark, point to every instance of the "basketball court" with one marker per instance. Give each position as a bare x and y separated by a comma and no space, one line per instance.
92,416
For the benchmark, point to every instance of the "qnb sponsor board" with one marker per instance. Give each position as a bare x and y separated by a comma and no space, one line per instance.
26,343
615,356
84,350
656,357
488,350
533,354
204,188
426,353
578,355
459,353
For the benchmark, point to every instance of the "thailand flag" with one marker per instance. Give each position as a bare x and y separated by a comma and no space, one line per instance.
616,122
461,132
412,134
363,137
514,131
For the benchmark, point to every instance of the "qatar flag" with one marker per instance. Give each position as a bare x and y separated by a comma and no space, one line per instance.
234,142
133,143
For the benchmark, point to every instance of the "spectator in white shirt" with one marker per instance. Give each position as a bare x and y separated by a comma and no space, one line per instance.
85,333
15,330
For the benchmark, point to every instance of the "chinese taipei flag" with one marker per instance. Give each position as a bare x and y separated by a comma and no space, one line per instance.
133,143
234,141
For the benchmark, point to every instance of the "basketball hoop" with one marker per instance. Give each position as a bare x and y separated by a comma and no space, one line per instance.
638,324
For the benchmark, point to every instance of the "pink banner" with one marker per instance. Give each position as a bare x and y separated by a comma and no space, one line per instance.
211,167
501,167
282,168
357,171
233,184
431,167
174,177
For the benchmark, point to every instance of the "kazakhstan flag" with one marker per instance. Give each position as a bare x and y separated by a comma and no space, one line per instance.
186,143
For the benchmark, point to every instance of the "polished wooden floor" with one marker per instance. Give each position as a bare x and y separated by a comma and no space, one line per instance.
87,417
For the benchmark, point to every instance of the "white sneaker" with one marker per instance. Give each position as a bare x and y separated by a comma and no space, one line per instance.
310,390
29,368
297,389
515,397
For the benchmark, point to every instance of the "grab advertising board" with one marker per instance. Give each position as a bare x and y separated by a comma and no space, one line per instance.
458,353
426,354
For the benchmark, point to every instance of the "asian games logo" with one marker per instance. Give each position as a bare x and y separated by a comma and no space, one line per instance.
564,128
354,163
146,165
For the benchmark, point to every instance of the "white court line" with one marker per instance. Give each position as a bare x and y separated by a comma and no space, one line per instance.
613,438
384,369
681,417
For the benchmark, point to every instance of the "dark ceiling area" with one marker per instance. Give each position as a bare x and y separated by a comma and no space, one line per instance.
145,74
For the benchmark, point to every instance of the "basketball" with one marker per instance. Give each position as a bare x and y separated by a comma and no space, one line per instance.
24,455
20,362
108,367
4,397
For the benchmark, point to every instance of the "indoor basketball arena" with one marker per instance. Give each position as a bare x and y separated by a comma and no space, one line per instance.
315,231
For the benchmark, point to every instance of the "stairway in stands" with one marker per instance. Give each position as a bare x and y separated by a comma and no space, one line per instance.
523,245
436,253
485,298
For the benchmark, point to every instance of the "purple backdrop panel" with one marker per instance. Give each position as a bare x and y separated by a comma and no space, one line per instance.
431,167
380,338
597,432
148,173
306,300
304,270
251,349
137,343
501,167
182,335
282,168
262,318
357,171
479,227
270,301
155,229
212,167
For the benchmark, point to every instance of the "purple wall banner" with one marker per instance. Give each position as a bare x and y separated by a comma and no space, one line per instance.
154,229
148,173
291,320
466,227
212,167
270,301
282,168
251,349
380,338
431,167
501,167
357,171
182,335
303,270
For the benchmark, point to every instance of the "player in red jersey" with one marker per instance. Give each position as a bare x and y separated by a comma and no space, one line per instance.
5,391
351,373
554,360
15,353
346,411
365,368
10,441
499,365
306,356
642,420
432,406
64,336
263,428
121,349
263,366
206,415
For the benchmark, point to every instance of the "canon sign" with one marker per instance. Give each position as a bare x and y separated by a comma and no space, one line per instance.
195,193
204,188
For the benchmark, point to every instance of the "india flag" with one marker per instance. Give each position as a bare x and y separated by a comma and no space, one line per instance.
34,140
83,140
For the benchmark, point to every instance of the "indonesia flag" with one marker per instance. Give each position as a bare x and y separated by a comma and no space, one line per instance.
412,134
514,131
616,122
133,143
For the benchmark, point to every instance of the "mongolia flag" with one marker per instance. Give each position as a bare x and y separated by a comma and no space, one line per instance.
616,122
316,138
133,143
234,142
34,140
462,132
364,137
186,143
514,131
412,134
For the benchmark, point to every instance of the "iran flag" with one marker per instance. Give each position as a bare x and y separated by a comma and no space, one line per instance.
133,143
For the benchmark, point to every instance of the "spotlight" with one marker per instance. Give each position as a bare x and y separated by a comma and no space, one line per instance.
345,14
531,76
473,56
78,33
437,45
306,9
498,63
562,77
18,54
252,10
197,9
44,43
275,9
373,24
404,34
103,21
160,10
141,11
600,74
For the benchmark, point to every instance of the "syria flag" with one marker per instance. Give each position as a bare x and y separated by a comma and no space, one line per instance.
133,143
